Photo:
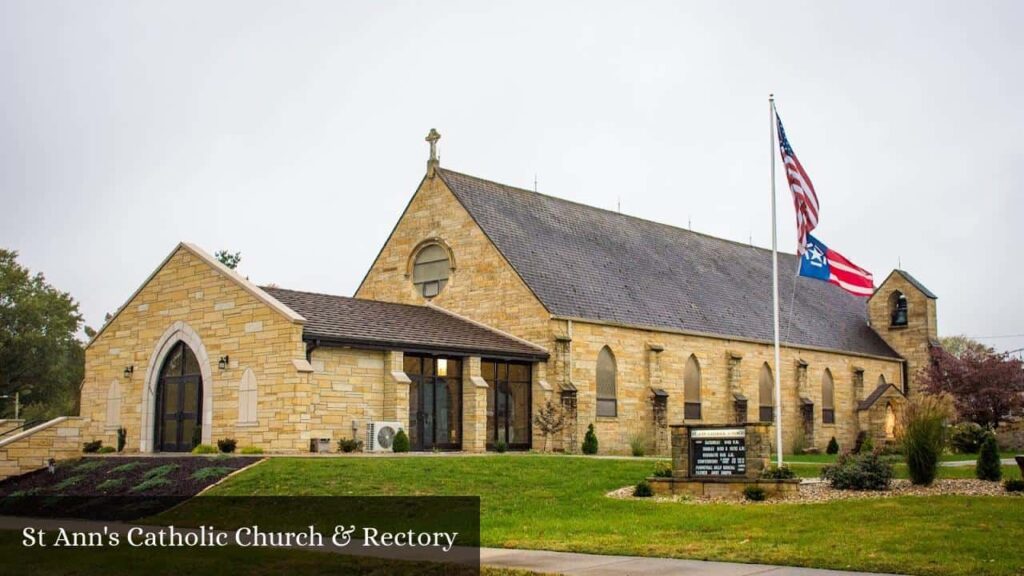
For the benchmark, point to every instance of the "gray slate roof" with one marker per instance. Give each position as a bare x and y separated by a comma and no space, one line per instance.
589,263
875,395
917,284
374,324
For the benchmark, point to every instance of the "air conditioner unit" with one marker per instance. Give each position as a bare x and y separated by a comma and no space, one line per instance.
380,436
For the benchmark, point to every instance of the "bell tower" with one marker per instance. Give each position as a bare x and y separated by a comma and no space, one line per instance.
903,312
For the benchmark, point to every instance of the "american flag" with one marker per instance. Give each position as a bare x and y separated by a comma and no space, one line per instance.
804,198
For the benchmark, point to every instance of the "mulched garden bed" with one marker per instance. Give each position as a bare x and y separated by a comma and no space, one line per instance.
820,491
114,487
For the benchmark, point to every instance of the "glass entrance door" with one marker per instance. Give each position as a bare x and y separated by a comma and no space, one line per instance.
435,402
509,402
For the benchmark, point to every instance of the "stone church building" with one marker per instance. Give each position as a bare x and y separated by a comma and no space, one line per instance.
485,303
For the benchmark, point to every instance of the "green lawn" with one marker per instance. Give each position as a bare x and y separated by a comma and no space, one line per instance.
558,503
813,470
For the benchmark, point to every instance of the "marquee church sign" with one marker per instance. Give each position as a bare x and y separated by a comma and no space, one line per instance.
718,451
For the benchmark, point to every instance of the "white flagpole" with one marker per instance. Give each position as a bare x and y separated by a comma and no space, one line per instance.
775,290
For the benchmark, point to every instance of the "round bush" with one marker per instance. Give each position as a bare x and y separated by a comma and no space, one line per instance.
401,442
833,446
967,437
867,471
662,469
1014,485
204,449
754,493
501,446
643,490
778,473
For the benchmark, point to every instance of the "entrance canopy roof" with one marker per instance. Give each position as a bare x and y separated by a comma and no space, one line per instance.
385,325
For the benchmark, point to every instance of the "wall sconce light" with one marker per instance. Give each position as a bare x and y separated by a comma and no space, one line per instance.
223,364
129,371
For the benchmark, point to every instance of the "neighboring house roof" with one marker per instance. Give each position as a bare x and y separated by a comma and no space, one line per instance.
875,395
588,263
374,324
917,284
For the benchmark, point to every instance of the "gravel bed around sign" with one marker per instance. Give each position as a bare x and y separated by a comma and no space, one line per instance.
815,491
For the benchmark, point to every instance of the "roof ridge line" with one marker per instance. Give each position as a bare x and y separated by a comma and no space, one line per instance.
606,210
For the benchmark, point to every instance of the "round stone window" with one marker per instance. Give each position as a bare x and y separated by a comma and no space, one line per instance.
430,270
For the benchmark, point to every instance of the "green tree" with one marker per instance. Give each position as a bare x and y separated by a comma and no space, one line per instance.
229,259
590,441
40,357
959,344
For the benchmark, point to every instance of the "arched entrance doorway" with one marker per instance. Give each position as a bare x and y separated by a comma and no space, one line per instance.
179,401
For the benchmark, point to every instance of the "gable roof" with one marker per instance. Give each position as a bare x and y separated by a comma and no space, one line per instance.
375,324
916,283
876,394
593,264
218,266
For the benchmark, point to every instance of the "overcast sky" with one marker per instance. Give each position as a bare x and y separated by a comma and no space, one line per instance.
293,131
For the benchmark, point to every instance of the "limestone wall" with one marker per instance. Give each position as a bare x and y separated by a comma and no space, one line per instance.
347,385
724,364
482,286
188,296
60,439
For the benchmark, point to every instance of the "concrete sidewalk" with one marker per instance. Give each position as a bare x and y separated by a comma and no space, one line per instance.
575,564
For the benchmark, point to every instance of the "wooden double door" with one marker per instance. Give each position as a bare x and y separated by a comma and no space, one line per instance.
179,402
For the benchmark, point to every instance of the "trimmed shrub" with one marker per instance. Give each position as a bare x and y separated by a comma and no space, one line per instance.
662,469
501,446
122,438
833,446
347,445
401,442
227,445
637,445
754,493
590,441
106,450
1014,485
92,447
923,435
643,490
867,471
989,467
778,473
251,450
204,449
967,437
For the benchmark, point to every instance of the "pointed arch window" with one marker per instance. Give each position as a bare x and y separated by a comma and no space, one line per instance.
691,389
766,395
607,404
828,400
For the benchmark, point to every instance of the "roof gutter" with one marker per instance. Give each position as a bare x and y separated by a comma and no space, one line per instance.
384,345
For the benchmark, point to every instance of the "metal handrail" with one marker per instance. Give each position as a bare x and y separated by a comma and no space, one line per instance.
27,425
